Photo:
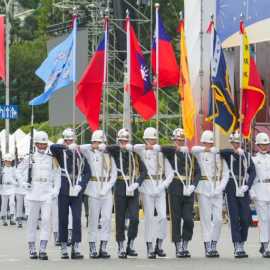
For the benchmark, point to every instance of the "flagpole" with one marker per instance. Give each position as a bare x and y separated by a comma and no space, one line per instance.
211,28
157,65
127,109
241,99
74,25
105,73
7,80
181,17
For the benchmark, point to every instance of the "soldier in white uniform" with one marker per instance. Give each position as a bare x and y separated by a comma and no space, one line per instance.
43,188
214,178
8,190
260,191
153,192
99,190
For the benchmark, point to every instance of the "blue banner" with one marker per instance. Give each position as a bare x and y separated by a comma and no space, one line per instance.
228,14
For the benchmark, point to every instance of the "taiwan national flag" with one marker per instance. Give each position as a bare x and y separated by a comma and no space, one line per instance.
142,96
90,86
163,57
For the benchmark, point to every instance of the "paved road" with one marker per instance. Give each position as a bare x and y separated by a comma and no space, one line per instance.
13,254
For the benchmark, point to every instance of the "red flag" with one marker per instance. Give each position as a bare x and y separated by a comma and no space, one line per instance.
2,48
253,96
142,96
168,69
89,89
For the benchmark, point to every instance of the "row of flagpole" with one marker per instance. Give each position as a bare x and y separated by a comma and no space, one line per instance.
56,79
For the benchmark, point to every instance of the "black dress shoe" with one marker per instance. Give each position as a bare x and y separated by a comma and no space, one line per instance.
239,255
33,256
104,254
94,255
122,255
151,255
57,244
76,256
266,254
65,256
215,254
43,256
244,254
209,254
131,252
160,252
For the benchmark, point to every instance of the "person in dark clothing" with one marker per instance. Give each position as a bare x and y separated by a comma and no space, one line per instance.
75,173
242,175
131,172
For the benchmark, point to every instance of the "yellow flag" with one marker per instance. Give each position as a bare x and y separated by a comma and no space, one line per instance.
185,91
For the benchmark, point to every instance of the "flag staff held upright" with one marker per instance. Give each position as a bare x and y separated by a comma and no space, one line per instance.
127,94
157,66
105,74
241,95
8,5
210,30
74,25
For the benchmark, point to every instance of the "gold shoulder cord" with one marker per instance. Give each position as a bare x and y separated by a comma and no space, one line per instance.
108,163
137,165
55,163
192,168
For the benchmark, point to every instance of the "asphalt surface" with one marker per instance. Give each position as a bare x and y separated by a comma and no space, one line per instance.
14,254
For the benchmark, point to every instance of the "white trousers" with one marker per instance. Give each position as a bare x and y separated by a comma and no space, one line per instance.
103,207
210,216
26,206
154,227
7,200
54,215
34,209
19,205
263,211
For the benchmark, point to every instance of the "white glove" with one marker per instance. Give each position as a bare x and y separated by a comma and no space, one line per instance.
132,187
102,147
184,149
243,188
26,186
73,146
214,150
55,194
240,151
252,194
218,190
104,191
78,188
188,190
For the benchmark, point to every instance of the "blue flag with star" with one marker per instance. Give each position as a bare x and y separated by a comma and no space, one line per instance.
59,68
223,113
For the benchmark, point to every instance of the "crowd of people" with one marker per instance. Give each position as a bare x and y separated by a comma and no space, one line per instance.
50,185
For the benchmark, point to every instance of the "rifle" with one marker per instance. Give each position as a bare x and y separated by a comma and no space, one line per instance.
16,154
31,149
1,166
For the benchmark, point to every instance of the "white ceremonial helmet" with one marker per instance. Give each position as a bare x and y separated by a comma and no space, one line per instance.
123,135
98,136
235,137
262,138
8,157
207,136
68,134
41,137
60,141
179,134
150,133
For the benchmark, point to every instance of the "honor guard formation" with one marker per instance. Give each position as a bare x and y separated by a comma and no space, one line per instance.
49,186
